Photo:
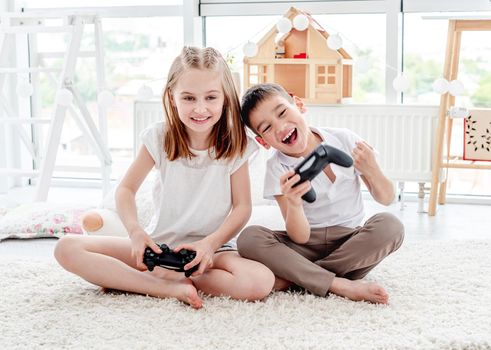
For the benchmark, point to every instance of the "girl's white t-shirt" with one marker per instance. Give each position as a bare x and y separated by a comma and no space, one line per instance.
194,196
339,203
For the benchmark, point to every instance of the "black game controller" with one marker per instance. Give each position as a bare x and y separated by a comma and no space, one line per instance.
316,161
170,259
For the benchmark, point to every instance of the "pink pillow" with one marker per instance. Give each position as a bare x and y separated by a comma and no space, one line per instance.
41,219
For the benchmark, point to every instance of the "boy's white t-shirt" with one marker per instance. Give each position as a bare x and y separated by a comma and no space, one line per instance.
193,196
339,203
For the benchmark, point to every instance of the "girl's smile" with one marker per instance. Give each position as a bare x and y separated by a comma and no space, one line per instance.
200,120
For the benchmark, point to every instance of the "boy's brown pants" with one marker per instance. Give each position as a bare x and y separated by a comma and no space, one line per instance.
330,252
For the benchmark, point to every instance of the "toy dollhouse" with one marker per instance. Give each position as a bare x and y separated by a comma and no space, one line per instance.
302,63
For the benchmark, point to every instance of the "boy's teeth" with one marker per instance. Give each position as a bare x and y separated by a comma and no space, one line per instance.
289,134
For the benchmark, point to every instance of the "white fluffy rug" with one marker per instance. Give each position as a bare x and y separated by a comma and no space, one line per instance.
440,299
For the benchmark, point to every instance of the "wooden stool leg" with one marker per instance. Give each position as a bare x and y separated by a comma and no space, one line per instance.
442,193
434,186
443,186
437,157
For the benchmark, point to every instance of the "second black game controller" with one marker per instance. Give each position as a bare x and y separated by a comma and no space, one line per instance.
169,259
316,161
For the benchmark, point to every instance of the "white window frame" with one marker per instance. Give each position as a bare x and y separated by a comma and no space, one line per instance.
10,146
277,7
446,6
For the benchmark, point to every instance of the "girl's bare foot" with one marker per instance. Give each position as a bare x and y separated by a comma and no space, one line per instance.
166,274
281,284
187,293
358,290
182,287
178,287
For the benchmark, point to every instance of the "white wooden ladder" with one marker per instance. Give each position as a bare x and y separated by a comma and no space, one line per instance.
44,158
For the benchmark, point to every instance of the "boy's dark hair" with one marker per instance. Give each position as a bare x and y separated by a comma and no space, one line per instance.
257,94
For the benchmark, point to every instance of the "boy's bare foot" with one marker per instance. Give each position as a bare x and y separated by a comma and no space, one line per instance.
359,290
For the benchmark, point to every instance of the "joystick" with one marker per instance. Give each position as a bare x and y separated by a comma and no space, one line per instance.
316,161
169,259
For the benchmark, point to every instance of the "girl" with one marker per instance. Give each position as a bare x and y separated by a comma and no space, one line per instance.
201,153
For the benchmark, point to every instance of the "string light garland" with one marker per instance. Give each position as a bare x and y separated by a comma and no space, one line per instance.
284,25
250,49
64,97
441,86
334,41
144,93
301,22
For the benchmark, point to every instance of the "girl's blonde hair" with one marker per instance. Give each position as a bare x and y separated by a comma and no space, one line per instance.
228,137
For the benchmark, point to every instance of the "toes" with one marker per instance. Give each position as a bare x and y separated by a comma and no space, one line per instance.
383,299
195,302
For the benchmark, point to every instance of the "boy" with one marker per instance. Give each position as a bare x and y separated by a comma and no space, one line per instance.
324,249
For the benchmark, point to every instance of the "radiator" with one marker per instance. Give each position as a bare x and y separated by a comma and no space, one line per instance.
145,113
403,135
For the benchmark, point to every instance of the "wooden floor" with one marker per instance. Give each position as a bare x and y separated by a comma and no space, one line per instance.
453,221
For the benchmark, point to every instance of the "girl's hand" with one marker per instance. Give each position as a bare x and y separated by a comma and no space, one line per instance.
293,194
204,256
364,158
140,240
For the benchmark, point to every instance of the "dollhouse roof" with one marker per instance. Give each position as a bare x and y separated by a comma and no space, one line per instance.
290,14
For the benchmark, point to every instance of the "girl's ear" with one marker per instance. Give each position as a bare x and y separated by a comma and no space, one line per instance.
299,103
263,143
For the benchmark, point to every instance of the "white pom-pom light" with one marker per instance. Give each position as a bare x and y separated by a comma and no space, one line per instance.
300,22
456,88
400,83
145,93
64,97
250,49
334,42
105,98
284,25
441,86
24,89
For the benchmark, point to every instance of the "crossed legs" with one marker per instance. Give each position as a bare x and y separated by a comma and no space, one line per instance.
333,260
107,262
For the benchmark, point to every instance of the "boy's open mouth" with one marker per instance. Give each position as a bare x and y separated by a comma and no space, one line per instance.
290,137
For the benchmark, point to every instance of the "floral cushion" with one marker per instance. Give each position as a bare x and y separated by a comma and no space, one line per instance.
41,219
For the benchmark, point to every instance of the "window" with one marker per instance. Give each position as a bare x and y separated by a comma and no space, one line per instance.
424,56
137,51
